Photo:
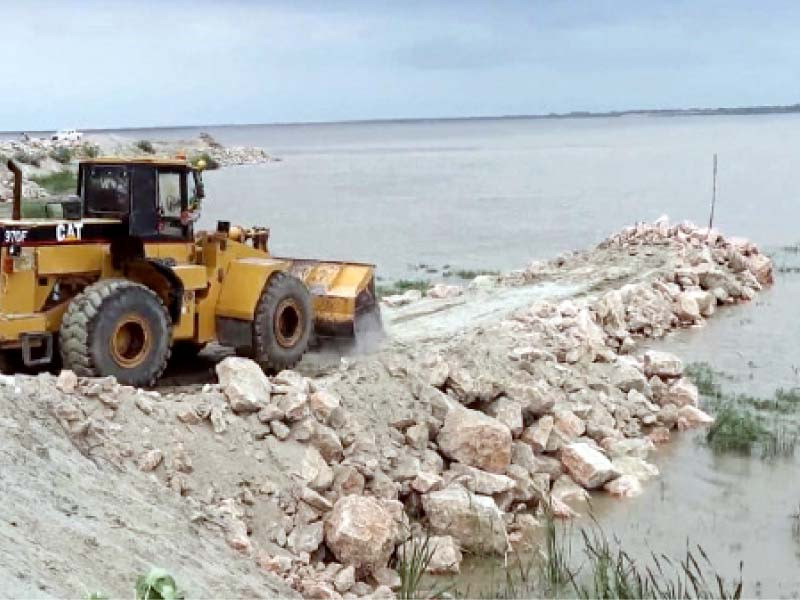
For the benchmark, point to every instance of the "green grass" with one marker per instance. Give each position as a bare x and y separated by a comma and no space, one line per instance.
60,182
469,274
62,155
735,429
747,424
88,150
29,158
403,285
411,562
145,146
610,572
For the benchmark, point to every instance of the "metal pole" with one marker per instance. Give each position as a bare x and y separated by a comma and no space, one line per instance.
713,194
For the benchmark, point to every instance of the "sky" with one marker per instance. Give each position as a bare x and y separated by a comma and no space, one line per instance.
93,64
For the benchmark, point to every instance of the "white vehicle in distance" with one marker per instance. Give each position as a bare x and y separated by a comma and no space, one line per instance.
67,135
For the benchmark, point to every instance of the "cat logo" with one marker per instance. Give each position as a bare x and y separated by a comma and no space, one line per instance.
68,232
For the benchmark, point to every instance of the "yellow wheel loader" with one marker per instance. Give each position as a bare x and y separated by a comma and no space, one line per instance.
115,278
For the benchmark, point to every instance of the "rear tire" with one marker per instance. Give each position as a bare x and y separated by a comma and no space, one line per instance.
117,327
283,323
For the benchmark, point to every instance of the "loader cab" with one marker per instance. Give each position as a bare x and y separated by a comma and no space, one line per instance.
158,200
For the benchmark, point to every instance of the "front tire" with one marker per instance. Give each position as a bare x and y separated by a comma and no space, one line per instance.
283,323
117,327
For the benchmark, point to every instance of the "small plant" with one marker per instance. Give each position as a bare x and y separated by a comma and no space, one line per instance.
61,155
704,377
88,150
29,158
469,274
735,429
413,559
61,182
403,285
145,146
556,568
158,584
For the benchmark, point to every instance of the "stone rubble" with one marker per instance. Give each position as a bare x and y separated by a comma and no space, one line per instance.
477,439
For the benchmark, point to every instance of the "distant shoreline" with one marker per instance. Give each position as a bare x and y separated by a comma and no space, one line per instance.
646,112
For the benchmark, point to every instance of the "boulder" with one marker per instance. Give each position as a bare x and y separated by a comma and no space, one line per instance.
626,376
345,579
443,291
686,308
67,381
706,302
662,364
324,439
634,466
305,538
244,384
322,404
480,482
587,466
535,399
693,416
624,486
761,267
360,532
565,489
680,393
294,406
473,520
475,439
537,434
508,412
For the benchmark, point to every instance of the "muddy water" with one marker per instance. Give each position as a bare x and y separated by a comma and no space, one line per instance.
737,507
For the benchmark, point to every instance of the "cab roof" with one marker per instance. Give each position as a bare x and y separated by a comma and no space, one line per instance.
138,160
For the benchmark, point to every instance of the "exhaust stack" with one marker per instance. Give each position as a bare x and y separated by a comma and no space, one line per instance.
16,208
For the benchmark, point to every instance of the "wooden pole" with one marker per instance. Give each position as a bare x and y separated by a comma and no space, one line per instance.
713,194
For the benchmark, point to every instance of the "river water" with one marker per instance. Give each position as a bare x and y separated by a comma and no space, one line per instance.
495,193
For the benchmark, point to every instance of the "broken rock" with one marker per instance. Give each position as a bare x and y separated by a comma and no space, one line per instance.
243,383
473,520
588,466
475,439
360,532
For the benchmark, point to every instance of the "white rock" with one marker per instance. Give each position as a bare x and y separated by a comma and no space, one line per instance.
475,439
473,520
442,291
67,381
662,364
507,412
305,538
360,532
538,434
243,383
694,416
588,467
680,393
480,482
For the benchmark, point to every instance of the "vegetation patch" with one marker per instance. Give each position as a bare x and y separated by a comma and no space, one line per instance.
61,155
145,146
87,150
469,274
402,285
747,424
60,182
29,158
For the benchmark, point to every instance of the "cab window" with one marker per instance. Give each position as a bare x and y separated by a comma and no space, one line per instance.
169,194
107,190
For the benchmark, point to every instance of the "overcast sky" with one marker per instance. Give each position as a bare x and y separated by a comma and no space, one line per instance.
151,62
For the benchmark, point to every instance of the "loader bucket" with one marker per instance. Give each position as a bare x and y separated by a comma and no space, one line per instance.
343,296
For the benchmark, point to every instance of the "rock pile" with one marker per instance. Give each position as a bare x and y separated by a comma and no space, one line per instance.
475,437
